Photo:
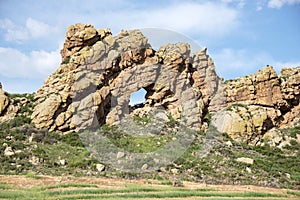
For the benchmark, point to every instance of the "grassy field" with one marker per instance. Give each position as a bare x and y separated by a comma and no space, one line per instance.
50,187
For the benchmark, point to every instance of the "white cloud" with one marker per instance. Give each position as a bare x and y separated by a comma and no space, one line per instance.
226,1
241,4
235,63
33,29
36,64
259,8
280,3
189,17
38,29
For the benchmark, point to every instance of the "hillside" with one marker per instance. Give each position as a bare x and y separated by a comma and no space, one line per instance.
193,126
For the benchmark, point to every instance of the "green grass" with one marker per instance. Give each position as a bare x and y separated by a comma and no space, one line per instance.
92,191
294,193
294,131
32,174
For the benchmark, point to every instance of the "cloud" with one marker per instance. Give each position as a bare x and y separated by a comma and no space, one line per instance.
280,3
189,17
36,64
38,29
232,63
33,29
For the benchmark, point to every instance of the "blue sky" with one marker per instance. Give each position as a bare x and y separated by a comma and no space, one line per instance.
241,36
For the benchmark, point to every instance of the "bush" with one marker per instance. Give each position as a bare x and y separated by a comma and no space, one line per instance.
66,61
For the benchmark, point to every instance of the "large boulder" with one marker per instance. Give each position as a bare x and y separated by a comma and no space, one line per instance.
259,103
4,101
102,71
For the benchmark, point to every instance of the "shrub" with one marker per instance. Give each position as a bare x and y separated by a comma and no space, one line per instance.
66,61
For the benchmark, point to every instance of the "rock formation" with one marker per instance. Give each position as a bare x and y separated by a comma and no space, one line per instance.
259,102
4,101
100,71
14,105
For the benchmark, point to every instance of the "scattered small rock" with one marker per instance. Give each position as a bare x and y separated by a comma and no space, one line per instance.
174,171
34,160
144,167
245,160
62,162
8,152
120,154
100,167
248,170
228,143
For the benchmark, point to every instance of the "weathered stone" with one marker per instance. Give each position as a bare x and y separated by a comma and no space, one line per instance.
101,71
34,160
120,155
8,152
100,167
259,102
245,160
4,101
80,36
104,70
44,113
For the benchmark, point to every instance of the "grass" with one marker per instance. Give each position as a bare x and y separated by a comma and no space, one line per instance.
131,191
272,166
32,174
294,131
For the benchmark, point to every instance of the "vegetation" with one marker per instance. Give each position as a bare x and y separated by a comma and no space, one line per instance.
92,191
209,158
142,120
236,105
66,61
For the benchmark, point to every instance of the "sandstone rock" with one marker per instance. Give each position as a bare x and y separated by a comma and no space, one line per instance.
174,171
245,160
62,162
273,137
261,88
44,113
80,36
259,102
244,123
8,152
104,70
34,160
4,101
248,170
144,167
100,167
120,155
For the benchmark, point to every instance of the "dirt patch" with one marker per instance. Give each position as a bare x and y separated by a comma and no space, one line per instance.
25,182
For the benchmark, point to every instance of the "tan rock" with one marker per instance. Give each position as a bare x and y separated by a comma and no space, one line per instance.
104,70
95,85
44,113
4,101
8,152
100,167
245,160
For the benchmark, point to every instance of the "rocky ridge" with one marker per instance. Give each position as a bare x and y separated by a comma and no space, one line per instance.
100,71
260,103
103,71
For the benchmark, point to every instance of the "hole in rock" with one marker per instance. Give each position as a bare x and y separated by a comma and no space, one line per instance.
137,99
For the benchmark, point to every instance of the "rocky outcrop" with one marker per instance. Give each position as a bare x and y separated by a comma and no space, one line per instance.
4,101
259,102
80,36
101,71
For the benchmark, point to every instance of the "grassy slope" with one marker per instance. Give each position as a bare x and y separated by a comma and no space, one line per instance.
272,166
130,191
